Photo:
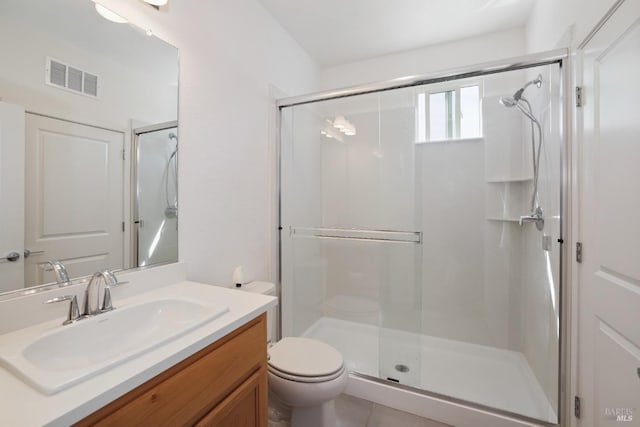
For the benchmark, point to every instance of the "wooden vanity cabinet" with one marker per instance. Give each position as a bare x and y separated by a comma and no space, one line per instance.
224,384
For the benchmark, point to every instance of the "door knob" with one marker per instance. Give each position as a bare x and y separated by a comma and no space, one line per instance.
28,252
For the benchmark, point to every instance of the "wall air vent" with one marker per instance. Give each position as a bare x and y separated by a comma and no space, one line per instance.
73,79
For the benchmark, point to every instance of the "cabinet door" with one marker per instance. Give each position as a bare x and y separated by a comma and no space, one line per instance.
246,406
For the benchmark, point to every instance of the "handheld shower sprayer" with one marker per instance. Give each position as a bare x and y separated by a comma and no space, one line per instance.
523,105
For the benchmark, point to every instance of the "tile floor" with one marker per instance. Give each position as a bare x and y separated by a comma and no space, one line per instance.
354,412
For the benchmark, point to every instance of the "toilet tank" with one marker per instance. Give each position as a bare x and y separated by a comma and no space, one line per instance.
265,288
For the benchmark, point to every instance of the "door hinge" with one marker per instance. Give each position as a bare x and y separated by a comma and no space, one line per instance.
576,406
123,226
579,96
124,154
579,252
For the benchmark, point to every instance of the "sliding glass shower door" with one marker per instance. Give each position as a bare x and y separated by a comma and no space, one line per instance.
421,235
351,249
351,241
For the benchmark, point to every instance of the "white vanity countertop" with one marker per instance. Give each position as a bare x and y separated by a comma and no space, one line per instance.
22,405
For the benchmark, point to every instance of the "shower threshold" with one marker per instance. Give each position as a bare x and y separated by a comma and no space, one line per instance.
483,375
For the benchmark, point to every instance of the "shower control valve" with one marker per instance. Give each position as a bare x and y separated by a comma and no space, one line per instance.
535,217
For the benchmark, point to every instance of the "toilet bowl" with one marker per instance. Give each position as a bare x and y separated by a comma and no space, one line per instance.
307,375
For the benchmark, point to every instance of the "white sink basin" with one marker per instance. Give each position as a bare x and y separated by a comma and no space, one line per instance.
67,355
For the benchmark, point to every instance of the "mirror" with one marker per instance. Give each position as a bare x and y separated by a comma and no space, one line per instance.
88,143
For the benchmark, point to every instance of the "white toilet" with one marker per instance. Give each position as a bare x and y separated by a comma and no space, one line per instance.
305,374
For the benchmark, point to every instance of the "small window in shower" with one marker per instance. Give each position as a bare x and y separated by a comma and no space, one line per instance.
448,114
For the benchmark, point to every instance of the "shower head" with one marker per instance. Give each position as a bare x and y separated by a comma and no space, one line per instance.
508,101
173,136
537,82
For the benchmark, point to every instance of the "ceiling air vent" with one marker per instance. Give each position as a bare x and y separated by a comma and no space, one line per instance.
73,79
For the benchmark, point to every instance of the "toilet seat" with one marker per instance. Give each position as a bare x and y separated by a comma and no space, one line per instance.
304,360
302,379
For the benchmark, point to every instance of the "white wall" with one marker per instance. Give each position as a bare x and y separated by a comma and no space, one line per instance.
554,23
230,52
475,50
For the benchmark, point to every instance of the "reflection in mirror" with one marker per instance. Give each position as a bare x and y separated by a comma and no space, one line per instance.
88,143
156,178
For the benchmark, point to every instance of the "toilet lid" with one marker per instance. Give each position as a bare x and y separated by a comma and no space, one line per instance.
305,357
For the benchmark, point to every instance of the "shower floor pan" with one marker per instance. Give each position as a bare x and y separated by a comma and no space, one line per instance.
488,376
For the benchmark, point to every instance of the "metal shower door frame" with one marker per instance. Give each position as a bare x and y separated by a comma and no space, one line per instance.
135,188
562,58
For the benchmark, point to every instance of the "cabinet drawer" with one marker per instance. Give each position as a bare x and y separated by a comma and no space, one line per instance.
183,394
246,406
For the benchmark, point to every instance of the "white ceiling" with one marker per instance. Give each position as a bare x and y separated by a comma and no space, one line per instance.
340,31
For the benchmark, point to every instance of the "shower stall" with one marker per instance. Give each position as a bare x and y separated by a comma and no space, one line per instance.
155,194
421,232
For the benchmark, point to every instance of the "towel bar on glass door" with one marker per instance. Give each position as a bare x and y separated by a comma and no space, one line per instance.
358,234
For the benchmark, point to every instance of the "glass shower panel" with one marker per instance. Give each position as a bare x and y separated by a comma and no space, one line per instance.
400,263
157,196
349,238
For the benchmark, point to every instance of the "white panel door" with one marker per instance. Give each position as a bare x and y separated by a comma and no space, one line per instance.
74,197
609,278
11,194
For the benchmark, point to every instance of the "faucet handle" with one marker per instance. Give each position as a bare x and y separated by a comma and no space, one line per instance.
536,217
106,301
74,310
111,279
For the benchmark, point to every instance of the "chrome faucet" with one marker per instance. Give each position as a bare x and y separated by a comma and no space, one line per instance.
92,304
62,277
